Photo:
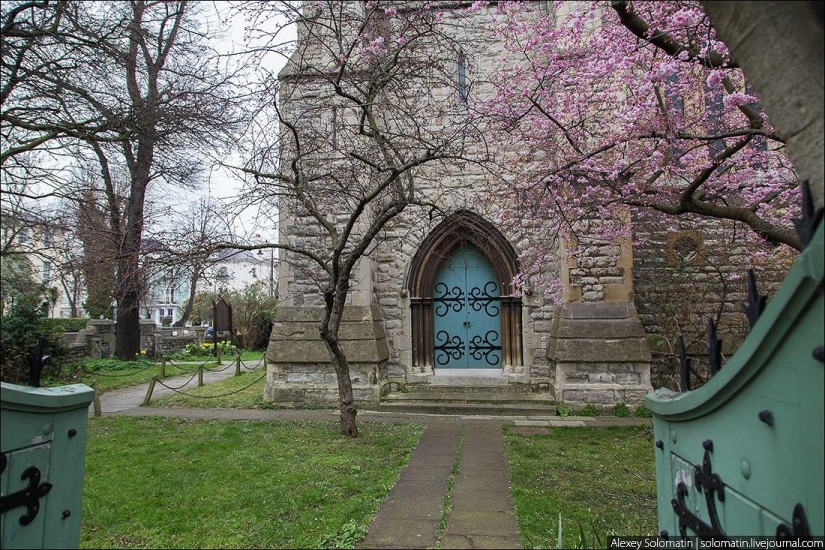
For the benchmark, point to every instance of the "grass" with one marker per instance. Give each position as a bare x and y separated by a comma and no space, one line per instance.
601,480
246,392
174,483
112,374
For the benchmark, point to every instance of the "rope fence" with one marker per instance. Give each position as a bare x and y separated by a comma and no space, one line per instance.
200,369
165,364
177,390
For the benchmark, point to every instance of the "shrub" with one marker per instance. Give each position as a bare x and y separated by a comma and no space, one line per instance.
22,328
562,409
73,324
642,412
588,410
621,410
205,350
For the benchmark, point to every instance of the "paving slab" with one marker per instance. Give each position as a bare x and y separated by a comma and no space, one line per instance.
412,508
488,523
481,501
472,541
401,533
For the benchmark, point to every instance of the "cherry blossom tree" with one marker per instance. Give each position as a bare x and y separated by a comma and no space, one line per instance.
627,107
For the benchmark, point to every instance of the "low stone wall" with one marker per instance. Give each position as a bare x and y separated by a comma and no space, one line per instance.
600,355
298,365
171,340
97,340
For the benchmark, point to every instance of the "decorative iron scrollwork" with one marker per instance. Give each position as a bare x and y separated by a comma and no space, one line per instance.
713,488
448,298
29,496
709,483
450,347
485,348
485,299
800,528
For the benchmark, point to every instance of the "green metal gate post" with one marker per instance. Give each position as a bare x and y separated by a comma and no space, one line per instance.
43,443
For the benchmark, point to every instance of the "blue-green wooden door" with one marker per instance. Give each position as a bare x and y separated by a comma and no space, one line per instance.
466,312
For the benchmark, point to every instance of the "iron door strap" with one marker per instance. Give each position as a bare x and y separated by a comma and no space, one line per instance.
448,347
29,496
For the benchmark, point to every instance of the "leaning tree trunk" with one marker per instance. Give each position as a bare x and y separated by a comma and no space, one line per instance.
346,402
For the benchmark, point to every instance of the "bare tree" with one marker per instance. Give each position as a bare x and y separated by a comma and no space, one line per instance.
142,93
355,138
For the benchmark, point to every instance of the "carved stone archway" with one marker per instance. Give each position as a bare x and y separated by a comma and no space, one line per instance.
463,227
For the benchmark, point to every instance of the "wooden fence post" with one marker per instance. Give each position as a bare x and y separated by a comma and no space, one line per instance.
163,368
238,366
149,391
97,399
219,356
200,376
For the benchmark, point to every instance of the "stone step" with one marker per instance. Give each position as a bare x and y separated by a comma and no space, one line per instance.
470,386
487,409
457,396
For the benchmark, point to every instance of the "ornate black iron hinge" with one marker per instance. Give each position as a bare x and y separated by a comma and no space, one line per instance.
29,496
709,483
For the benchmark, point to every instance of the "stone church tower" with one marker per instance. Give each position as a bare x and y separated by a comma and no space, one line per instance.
433,301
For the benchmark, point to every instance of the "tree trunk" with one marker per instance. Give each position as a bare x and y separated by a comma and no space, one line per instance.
346,403
127,330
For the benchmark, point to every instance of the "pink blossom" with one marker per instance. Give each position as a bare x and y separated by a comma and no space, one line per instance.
714,78
686,17
401,40
737,99
478,5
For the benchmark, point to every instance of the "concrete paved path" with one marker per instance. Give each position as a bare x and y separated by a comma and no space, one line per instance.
482,512
477,507
410,516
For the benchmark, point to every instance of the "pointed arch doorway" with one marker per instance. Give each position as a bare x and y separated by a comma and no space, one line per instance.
463,312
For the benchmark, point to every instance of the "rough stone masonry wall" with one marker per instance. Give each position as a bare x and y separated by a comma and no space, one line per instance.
688,269
298,365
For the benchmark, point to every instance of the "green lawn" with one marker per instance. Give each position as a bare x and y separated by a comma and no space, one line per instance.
601,480
112,374
174,483
244,392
